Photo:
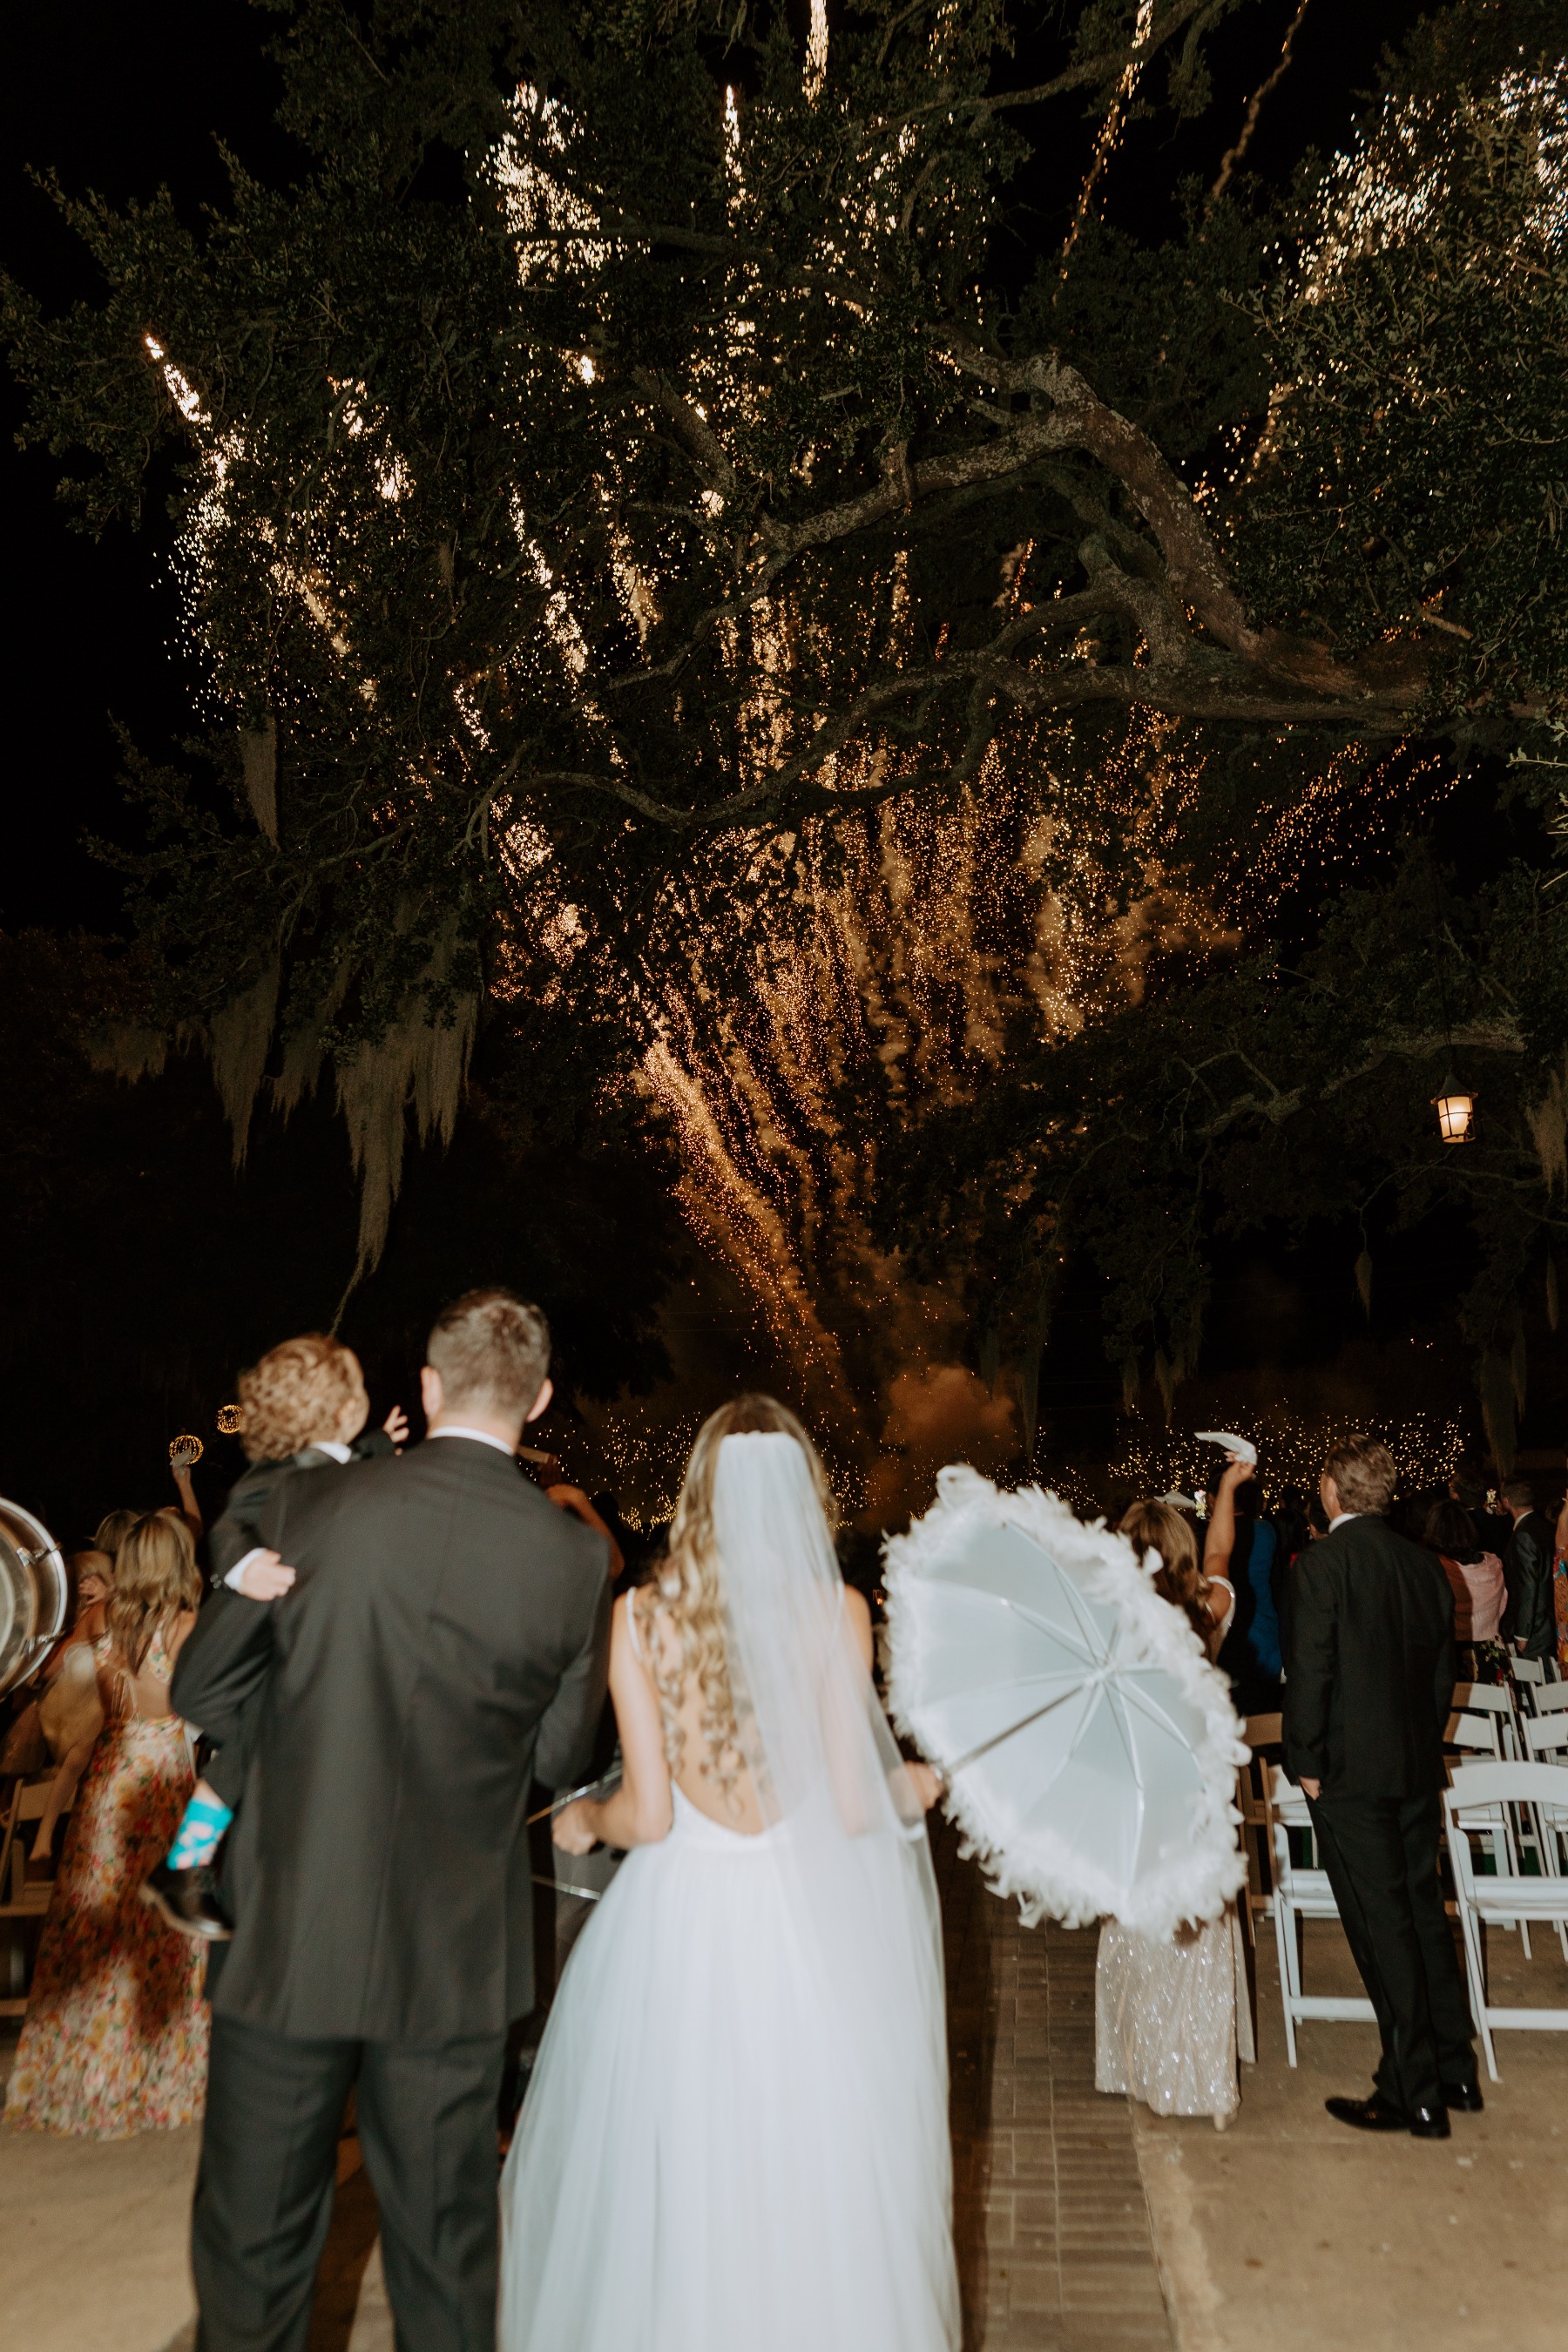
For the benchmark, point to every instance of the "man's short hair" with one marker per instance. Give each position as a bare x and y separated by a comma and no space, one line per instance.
1364,1472
491,1350
1519,1491
299,1393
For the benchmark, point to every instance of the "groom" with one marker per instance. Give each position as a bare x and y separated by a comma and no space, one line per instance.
445,1642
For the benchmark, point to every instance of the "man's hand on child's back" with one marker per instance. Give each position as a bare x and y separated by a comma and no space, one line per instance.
264,1577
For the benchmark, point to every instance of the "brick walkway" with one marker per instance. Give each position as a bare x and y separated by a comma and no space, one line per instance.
1054,2246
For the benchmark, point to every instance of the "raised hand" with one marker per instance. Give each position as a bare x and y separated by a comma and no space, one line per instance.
397,1426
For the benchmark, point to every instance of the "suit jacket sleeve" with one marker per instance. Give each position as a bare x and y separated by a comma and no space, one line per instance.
228,1653
238,1531
1314,1658
1535,1624
224,1663
567,1727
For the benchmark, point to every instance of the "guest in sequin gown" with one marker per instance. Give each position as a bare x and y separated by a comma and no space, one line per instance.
1171,2019
116,2032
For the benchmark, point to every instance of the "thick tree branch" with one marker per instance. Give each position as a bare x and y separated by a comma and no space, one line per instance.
1493,1037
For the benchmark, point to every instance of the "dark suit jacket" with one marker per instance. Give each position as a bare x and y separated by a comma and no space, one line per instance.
1370,1676
447,1641
1527,1569
238,1531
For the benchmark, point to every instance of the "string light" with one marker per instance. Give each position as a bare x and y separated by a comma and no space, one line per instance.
1291,1450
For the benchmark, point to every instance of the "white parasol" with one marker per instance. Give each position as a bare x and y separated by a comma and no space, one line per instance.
1090,1747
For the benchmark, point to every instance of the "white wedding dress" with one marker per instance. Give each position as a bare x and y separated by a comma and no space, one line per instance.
735,2140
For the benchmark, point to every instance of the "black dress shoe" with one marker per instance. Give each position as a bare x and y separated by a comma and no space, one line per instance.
1464,2097
1429,2123
188,1902
1368,2114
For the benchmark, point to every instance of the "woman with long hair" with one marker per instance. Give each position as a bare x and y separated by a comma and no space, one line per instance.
736,2132
115,2036
1171,2019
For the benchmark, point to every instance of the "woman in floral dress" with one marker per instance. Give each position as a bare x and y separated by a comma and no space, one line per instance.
115,2039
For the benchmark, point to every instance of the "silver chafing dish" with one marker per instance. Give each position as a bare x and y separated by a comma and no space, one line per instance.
33,1593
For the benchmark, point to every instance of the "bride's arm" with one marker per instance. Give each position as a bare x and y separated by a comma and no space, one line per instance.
641,1810
912,1781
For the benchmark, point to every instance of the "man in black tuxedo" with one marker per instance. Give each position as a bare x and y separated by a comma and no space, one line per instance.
1369,1683
445,1643
1530,1619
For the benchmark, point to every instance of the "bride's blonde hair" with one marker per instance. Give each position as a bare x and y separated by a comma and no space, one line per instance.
687,1595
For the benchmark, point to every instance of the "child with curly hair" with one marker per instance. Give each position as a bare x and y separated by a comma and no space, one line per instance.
304,1408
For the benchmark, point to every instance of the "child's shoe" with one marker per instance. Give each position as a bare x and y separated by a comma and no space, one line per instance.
188,1901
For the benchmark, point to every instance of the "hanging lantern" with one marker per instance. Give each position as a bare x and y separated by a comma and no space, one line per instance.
1455,1113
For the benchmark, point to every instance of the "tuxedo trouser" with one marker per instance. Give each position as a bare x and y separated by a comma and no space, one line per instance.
1380,1855
426,2120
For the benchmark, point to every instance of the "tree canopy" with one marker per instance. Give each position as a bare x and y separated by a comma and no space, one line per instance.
634,450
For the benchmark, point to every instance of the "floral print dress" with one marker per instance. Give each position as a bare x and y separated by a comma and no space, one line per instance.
115,2038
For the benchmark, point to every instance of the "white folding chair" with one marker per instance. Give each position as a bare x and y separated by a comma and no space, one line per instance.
1529,1675
1301,1895
1257,1825
1492,1698
1550,1698
1471,1738
1491,1789
1548,1742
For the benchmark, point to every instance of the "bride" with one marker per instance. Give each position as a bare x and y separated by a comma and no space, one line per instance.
736,2132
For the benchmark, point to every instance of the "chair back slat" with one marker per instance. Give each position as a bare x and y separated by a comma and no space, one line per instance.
1501,1784
1482,1699
1474,1731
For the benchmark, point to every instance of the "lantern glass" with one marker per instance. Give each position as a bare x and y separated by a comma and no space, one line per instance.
1455,1113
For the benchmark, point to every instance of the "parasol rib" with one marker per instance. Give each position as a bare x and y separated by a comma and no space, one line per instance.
1023,1724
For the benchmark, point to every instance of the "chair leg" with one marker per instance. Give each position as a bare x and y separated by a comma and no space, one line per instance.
1508,1858
1475,1973
1285,1945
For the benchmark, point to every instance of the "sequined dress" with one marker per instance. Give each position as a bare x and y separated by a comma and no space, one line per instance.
1171,2019
115,2038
